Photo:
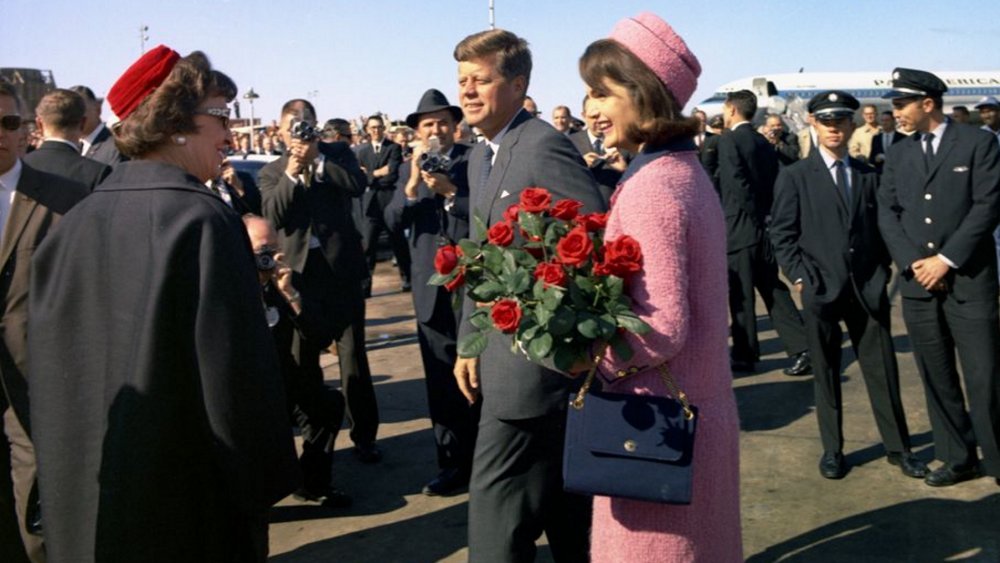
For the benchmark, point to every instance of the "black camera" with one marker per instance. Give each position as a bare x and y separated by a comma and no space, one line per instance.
304,131
433,161
265,259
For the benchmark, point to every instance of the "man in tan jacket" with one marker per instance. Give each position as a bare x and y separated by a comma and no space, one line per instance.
860,145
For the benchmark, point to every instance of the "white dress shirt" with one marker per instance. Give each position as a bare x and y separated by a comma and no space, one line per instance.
8,187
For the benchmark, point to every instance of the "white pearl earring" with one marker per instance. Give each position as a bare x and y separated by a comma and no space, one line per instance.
180,140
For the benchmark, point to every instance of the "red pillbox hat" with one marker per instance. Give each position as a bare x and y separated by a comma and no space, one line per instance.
139,81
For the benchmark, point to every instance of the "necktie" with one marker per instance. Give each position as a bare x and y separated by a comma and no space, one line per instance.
378,149
845,187
484,177
598,146
929,150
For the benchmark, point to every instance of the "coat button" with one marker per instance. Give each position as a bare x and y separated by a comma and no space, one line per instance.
928,197
930,245
928,220
621,373
630,446
850,250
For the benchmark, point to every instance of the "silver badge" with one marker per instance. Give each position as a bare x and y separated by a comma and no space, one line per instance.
832,97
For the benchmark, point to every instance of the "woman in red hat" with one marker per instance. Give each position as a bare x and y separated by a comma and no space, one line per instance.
157,410
639,80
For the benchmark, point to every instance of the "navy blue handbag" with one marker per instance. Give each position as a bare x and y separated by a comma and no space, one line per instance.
631,446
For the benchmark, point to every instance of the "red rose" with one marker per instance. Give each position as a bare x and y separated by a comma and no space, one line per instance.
510,214
506,315
622,256
446,259
593,221
566,209
457,281
500,234
535,200
575,248
551,274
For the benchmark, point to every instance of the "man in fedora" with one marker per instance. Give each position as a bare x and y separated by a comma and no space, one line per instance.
432,202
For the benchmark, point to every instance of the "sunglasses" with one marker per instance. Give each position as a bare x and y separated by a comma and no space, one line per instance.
10,122
221,113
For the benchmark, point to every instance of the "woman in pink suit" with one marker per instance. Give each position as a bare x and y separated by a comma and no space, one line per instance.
640,79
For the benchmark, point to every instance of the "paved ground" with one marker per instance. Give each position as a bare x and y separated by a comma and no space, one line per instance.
790,513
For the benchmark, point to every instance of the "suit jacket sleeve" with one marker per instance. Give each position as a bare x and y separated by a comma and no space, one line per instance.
786,228
890,223
395,159
278,193
981,219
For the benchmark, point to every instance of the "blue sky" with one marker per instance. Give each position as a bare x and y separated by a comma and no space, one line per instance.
355,57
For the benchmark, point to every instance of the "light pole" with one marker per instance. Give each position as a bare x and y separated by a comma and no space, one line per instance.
251,96
493,23
143,38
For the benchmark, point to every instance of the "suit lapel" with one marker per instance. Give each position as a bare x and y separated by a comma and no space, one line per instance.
827,188
502,162
856,189
947,143
21,209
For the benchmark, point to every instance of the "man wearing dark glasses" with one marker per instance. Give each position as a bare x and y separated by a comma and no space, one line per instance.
31,202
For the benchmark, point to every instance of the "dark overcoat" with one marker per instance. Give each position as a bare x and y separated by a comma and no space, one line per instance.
157,405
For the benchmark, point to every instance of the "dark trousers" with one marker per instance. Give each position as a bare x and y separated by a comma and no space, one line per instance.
355,375
755,267
516,493
14,491
455,422
872,343
375,224
939,326
318,411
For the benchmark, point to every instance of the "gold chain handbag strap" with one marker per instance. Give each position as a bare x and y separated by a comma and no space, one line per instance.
668,380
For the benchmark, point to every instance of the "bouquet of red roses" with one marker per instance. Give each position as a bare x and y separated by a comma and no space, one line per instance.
545,276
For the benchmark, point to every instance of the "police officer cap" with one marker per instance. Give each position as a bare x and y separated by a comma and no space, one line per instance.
909,83
833,104
987,102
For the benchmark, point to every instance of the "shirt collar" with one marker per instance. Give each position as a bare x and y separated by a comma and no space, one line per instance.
593,138
10,178
66,142
733,128
494,143
829,160
939,130
89,140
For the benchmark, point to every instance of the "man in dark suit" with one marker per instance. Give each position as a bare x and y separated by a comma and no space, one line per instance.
606,164
710,149
884,139
380,160
748,166
336,146
516,489
786,145
938,206
60,117
308,199
433,204
824,226
97,140
31,203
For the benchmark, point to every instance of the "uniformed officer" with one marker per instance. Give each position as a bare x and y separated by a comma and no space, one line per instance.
824,227
938,206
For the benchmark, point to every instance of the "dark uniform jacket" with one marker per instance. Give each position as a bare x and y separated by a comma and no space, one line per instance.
380,194
158,411
431,225
748,166
950,210
56,157
825,241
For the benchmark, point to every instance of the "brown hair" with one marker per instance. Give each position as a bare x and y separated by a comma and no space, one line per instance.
61,109
659,115
8,89
169,110
513,58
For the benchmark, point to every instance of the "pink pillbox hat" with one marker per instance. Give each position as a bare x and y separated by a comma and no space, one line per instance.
656,44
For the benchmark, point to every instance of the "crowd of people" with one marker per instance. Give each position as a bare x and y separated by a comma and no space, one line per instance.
164,314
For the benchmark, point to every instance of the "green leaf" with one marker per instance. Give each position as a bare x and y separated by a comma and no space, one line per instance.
480,226
481,319
542,315
623,351
523,258
509,264
588,325
607,326
439,279
555,231
486,292
538,290
552,298
530,329
472,345
585,284
565,356
577,297
532,223
540,347
470,249
493,259
562,321
518,282
632,323
615,287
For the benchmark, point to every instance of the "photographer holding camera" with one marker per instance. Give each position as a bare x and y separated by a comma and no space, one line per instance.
316,409
308,198
784,143
432,201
